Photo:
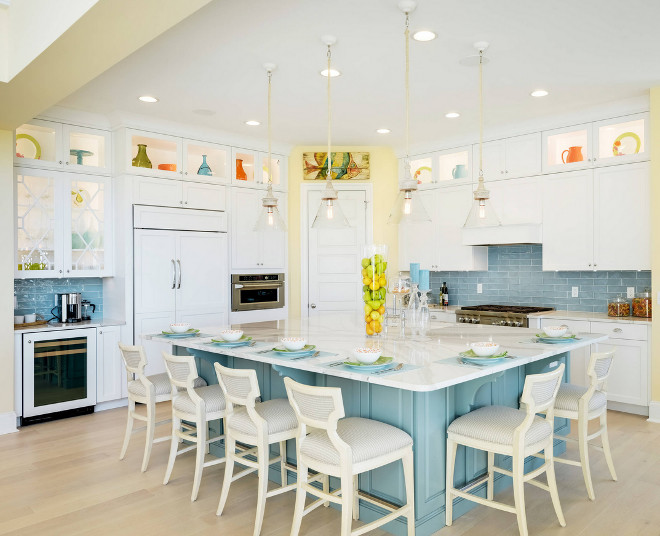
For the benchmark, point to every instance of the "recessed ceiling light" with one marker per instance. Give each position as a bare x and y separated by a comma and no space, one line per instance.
424,35
148,98
252,123
383,130
539,93
333,72
452,115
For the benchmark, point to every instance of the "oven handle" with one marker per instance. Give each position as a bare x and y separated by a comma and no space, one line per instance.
259,285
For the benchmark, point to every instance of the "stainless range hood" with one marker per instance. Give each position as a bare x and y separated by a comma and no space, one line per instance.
500,235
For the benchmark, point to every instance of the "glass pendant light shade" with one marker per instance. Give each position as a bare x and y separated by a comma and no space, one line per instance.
330,215
270,218
482,213
408,208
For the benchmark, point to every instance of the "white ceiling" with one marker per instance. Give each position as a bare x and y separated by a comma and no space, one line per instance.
586,53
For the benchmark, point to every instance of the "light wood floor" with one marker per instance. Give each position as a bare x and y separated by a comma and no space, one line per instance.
64,478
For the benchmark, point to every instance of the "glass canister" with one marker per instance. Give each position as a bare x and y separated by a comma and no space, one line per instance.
642,304
374,287
618,307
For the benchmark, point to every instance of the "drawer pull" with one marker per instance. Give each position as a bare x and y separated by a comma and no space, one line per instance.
617,330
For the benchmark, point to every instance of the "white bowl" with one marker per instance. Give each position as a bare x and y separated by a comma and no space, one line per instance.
293,343
555,331
180,327
231,335
485,349
367,355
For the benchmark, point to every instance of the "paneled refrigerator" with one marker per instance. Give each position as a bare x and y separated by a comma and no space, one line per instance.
180,273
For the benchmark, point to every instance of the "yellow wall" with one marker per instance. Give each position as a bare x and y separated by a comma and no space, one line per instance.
7,271
655,240
384,179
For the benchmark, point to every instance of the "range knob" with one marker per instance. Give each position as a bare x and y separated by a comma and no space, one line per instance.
517,324
476,320
461,319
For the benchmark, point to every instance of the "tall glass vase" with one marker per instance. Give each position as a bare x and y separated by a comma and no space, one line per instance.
374,287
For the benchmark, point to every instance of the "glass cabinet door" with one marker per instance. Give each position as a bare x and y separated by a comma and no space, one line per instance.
38,230
621,140
277,170
153,155
421,169
205,161
567,149
39,143
88,212
244,166
455,164
86,148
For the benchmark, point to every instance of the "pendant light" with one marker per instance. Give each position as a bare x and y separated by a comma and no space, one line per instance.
269,217
482,213
329,214
408,207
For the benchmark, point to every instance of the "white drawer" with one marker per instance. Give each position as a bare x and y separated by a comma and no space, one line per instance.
617,330
443,316
575,326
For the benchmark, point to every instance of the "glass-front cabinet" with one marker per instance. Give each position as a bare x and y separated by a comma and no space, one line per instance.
278,167
421,169
47,144
203,161
567,149
244,168
154,154
63,226
621,140
454,164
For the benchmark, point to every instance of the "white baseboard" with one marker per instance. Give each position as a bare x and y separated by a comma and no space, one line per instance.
628,408
654,412
8,423
112,404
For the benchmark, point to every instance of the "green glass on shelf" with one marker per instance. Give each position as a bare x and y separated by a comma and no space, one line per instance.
141,159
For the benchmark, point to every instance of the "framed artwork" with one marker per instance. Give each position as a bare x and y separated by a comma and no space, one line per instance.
345,166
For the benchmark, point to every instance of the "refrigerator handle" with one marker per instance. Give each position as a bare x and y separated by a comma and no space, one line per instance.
179,263
173,274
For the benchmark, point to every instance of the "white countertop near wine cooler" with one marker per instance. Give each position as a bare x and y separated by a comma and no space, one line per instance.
55,326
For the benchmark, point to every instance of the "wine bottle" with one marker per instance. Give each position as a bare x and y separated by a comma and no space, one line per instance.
444,291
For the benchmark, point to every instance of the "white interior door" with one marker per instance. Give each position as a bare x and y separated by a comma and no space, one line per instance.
335,254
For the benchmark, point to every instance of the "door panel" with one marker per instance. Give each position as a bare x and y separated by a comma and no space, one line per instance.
154,255
523,156
245,240
335,255
203,196
160,192
149,324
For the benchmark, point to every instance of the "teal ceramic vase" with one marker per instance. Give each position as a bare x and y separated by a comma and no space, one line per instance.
204,169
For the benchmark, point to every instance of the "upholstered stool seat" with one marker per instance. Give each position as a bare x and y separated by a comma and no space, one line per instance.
277,413
210,394
162,385
569,396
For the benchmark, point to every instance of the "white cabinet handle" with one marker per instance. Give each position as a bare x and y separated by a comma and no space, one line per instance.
179,263
617,330
173,273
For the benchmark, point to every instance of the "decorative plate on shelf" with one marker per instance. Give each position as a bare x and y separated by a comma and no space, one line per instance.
29,151
381,363
626,144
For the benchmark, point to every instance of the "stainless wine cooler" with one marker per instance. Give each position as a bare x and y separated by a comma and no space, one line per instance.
59,374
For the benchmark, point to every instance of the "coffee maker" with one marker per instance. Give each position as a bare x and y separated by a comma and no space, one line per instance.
68,307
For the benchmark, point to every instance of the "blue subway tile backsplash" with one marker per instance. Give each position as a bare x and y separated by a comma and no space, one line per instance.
38,295
515,277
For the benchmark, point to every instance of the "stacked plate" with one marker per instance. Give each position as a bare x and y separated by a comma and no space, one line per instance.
543,337
305,351
183,335
243,341
471,357
381,363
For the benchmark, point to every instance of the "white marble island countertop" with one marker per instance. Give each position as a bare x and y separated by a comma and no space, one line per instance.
340,333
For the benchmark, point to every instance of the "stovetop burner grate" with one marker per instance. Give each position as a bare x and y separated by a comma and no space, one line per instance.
519,309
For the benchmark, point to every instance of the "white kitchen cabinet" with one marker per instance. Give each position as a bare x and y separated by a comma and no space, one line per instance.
597,219
580,356
251,249
454,164
63,224
567,149
621,140
494,160
279,170
517,201
438,245
508,158
110,372
440,315
178,193
216,156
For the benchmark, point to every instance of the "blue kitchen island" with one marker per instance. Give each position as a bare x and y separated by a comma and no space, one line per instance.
423,398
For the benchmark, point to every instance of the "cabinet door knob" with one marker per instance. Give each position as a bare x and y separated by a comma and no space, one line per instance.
313,306
185,203
589,264
186,173
66,163
60,161
617,330
60,271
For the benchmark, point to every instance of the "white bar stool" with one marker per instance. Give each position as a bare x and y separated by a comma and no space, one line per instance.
345,448
199,405
251,423
583,404
512,432
147,390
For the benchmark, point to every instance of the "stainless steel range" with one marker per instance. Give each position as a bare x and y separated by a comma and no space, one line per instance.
498,315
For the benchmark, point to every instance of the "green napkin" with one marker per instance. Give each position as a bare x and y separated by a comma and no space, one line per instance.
382,360
470,353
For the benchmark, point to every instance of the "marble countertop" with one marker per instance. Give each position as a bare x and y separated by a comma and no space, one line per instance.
54,326
592,317
340,333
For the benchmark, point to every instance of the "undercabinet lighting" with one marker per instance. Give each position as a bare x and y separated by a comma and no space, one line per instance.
452,115
424,35
333,73
539,93
148,98
253,123
383,130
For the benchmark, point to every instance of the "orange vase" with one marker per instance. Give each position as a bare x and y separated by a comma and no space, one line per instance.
240,172
574,155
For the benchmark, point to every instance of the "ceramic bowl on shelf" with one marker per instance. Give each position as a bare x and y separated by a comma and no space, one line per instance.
180,327
485,349
555,331
367,355
293,344
167,167
231,335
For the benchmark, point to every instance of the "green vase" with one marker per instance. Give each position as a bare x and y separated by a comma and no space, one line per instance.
141,159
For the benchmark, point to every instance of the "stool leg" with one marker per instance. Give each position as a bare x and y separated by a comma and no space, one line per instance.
356,498
300,497
552,484
129,428
230,449
449,486
199,457
174,446
409,480
519,492
283,463
262,460
491,476
151,424
346,502
583,425
326,488
606,444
